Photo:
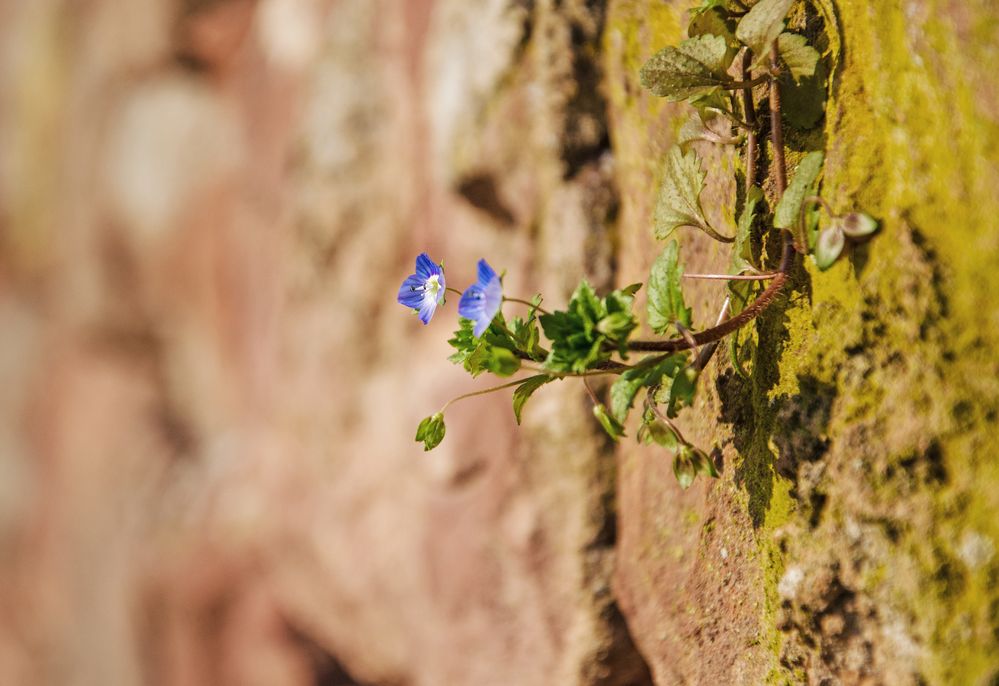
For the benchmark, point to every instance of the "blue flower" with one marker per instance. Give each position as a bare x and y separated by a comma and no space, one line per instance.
481,301
424,290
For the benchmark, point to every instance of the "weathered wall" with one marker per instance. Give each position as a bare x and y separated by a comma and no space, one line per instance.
209,394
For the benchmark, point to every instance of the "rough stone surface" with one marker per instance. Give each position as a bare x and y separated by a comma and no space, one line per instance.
208,397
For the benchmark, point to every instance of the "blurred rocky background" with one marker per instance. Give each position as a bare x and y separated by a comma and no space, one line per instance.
208,394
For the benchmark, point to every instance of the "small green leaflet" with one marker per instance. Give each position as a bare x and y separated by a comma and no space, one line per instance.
829,246
798,55
431,431
679,193
742,250
761,26
689,462
680,393
653,430
666,305
786,214
624,390
583,334
524,391
493,352
611,426
694,67
713,21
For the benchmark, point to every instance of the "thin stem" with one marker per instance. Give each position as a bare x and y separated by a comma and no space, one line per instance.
770,294
589,391
749,112
777,127
568,375
484,391
766,276
730,116
668,422
708,351
526,302
706,228
745,85
452,290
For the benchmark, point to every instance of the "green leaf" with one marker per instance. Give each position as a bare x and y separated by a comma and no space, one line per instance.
804,102
858,224
493,352
680,393
786,214
678,203
713,21
742,249
703,464
798,55
431,431
524,391
684,469
694,67
654,430
583,334
829,246
666,305
631,289
707,5
527,337
624,390
611,426
761,26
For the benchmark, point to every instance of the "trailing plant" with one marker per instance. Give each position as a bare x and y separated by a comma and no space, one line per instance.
739,61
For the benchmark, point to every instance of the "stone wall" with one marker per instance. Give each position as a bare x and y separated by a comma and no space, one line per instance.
208,397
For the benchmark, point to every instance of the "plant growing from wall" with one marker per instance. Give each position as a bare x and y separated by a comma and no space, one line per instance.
738,60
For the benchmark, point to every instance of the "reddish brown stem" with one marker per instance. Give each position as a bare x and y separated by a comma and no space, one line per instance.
765,298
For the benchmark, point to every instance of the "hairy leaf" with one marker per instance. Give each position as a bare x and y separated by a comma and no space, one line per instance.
761,26
666,305
524,391
493,352
694,67
798,55
678,203
786,214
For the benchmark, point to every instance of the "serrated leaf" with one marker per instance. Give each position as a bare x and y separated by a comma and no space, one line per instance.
666,305
742,249
761,26
611,425
829,246
798,55
581,336
713,21
431,431
678,203
694,67
624,390
524,391
786,214
492,352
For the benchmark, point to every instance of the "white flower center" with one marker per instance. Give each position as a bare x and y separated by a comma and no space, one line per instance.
433,286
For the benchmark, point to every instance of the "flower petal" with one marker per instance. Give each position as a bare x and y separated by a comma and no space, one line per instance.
486,273
411,291
427,310
471,303
425,267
